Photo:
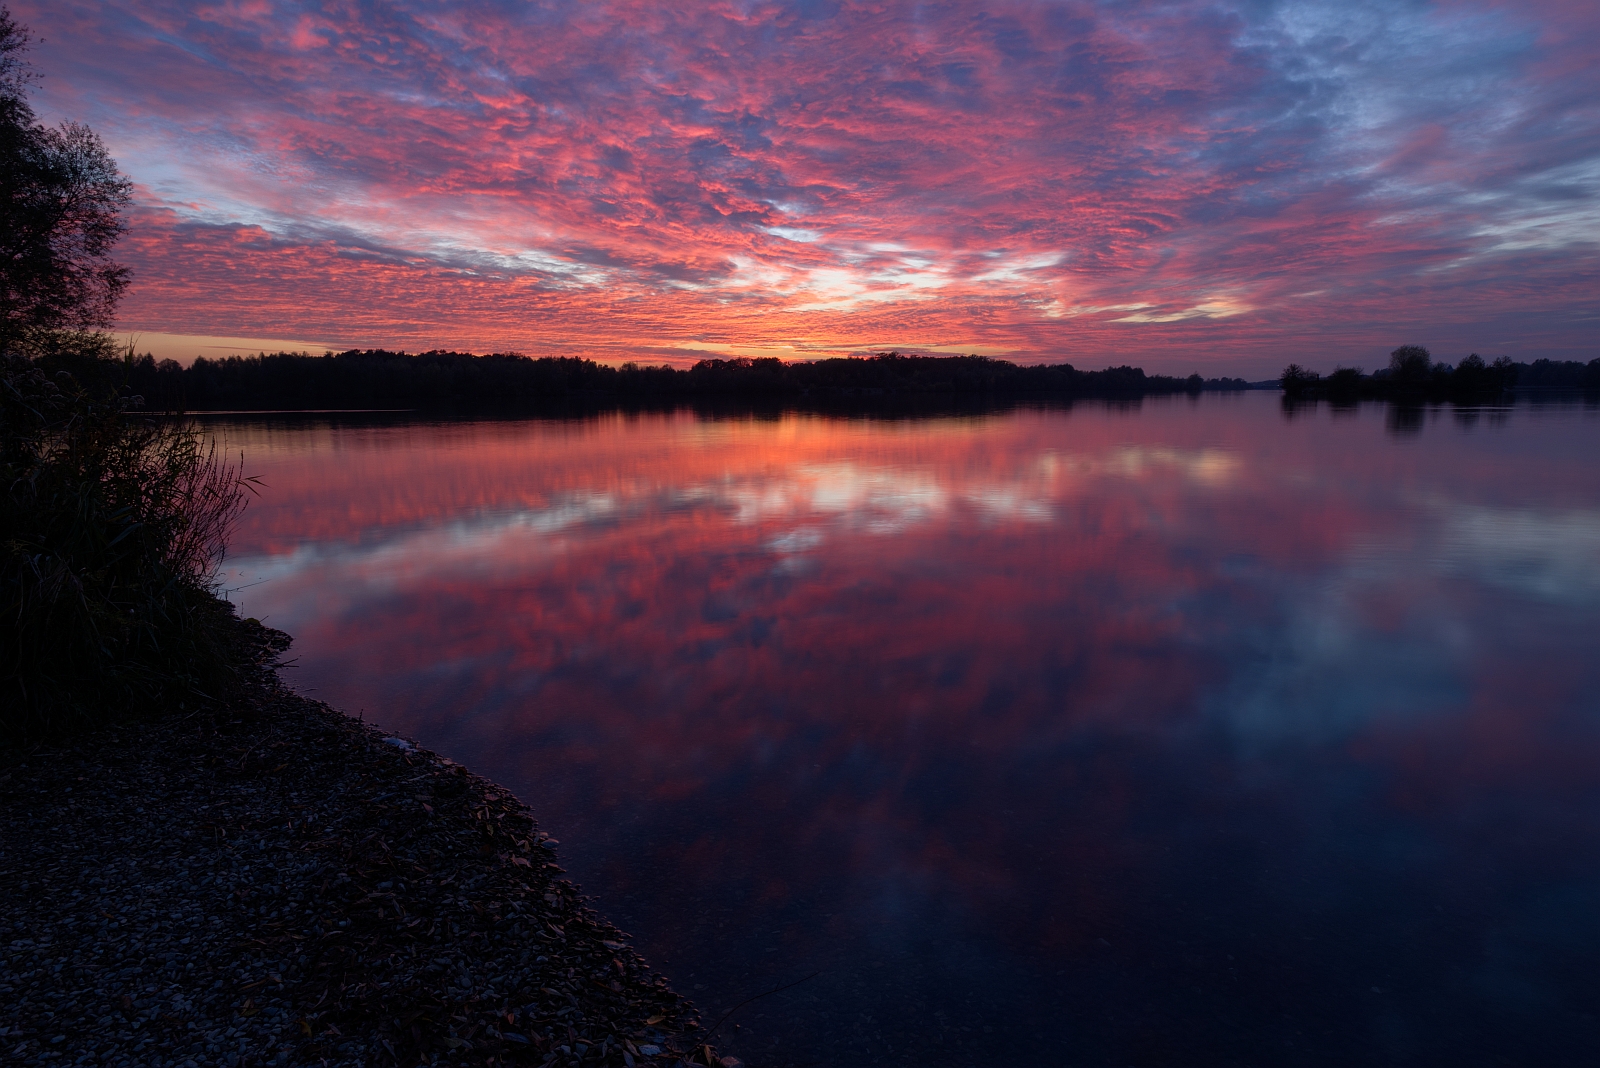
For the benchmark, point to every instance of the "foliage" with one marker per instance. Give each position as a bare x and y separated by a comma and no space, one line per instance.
1412,374
60,213
1345,381
112,526
1410,363
1296,379
376,378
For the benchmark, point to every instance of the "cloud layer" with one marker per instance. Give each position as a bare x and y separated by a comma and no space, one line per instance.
1173,183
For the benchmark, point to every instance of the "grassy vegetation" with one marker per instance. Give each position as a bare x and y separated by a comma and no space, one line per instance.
112,525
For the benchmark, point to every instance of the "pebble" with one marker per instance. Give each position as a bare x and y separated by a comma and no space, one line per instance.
273,883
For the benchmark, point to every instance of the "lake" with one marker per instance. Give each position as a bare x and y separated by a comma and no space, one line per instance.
1182,732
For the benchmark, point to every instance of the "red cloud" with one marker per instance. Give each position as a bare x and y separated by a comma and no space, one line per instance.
1168,183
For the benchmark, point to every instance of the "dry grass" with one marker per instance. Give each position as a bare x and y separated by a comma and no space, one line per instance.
112,526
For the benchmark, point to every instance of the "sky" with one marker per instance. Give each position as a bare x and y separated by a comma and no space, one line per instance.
1221,187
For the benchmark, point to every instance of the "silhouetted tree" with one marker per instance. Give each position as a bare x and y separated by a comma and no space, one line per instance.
61,198
1345,381
1296,379
1471,375
1504,372
1410,365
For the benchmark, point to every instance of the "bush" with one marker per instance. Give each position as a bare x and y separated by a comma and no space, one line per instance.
1410,365
1296,379
112,525
1345,381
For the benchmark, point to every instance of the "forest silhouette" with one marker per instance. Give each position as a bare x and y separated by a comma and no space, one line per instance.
1412,374
376,378
445,380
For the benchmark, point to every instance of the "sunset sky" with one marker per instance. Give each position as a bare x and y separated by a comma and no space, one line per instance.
1186,186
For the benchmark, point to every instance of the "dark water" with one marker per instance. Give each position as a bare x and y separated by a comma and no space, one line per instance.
1185,734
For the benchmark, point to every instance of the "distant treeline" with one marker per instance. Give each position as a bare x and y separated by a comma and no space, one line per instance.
374,378
1413,373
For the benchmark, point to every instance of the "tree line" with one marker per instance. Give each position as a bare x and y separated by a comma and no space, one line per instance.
1412,372
376,378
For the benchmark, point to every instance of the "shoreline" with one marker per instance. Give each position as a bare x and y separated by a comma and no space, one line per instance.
272,882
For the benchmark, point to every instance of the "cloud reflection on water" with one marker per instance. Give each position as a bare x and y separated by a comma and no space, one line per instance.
1052,715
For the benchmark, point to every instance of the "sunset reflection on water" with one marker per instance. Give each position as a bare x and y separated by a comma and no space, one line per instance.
1173,734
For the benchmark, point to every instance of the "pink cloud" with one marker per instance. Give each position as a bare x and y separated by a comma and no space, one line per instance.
1181,184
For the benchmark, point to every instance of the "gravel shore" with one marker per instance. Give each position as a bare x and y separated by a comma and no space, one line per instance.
273,883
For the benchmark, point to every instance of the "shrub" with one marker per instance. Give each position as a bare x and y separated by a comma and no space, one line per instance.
1345,381
1296,379
112,525
1410,364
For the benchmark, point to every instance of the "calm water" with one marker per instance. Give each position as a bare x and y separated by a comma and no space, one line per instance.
1186,734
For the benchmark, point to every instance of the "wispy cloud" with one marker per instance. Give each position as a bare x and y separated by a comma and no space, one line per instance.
1051,180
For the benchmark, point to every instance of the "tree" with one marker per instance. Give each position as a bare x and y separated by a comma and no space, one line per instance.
61,199
1345,381
1410,364
1296,379
1503,373
1472,375
111,525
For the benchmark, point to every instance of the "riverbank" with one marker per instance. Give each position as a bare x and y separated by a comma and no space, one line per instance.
272,882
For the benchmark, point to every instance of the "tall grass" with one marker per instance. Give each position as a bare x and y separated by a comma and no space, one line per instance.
112,525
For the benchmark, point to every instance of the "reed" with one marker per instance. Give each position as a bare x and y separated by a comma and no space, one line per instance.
113,524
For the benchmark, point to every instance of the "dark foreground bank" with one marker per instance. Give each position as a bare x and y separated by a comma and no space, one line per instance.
275,883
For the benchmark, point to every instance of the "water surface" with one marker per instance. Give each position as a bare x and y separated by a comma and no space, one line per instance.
1176,734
